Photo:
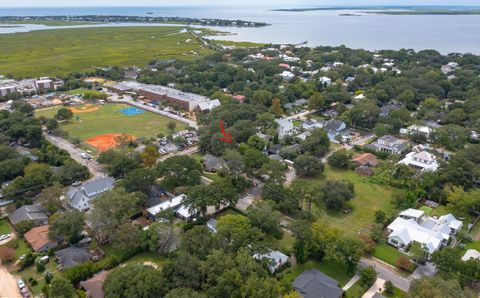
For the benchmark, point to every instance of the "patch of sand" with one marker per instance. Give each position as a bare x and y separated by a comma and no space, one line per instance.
108,141
8,283
84,109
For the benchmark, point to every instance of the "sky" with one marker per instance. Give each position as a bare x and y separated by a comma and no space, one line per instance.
273,3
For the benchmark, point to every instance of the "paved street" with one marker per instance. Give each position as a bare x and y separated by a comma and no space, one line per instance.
188,151
95,168
385,272
247,198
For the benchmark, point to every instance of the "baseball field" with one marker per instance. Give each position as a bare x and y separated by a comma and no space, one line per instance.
101,126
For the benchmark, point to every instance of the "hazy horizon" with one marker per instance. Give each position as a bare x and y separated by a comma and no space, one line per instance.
207,3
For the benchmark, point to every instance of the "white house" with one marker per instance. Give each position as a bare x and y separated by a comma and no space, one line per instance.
276,259
172,203
79,197
285,127
325,80
413,225
420,160
418,129
287,75
471,254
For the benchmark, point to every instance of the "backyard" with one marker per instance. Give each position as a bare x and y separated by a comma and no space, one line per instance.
334,270
369,197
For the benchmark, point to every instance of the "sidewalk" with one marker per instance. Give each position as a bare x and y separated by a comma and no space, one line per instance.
351,282
377,287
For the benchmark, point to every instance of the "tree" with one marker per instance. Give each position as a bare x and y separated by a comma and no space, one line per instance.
308,166
180,170
50,197
364,114
317,101
418,252
112,209
276,107
234,161
437,287
256,142
67,226
198,241
24,226
184,271
254,159
380,216
368,276
171,126
340,159
275,170
262,216
217,194
235,231
138,180
60,287
388,287
64,114
317,143
184,293
149,156
302,232
127,237
337,193
134,281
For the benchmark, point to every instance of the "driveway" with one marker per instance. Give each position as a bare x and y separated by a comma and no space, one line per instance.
362,140
95,168
377,287
248,197
386,272
427,270
290,175
8,282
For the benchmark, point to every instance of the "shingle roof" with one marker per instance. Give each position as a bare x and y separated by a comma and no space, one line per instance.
38,237
73,255
28,212
314,284
94,285
93,187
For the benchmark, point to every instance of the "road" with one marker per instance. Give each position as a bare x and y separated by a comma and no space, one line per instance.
127,100
301,115
290,175
386,272
188,151
96,169
8,287
248,197
363,140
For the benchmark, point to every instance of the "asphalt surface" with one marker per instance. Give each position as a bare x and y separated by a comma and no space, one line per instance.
386,273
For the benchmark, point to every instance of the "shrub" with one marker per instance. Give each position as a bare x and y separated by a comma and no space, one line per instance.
404,263
7,254
388,287
368,276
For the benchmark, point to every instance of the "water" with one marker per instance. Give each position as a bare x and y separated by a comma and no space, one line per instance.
444,33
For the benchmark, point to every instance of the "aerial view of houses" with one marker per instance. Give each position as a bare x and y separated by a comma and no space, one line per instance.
190,166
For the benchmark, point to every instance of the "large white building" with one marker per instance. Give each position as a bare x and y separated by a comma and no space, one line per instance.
285,127
420,160
414,225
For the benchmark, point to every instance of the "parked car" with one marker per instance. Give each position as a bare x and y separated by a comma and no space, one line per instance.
20,284
76,183
4,237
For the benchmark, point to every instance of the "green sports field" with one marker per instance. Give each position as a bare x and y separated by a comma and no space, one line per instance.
109,119
64,51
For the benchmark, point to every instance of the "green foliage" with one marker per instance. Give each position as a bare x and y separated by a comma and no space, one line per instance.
61,288
340,159
180,171
64,114
308,166
368,276
67,226
317,143
336,194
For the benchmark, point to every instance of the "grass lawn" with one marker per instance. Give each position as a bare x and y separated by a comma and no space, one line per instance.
64,51
213,176
369,197
297,123
356,291
473,245
426,209
109,119
77,91
387,253
5,227
22,249
285,244
334,270
397,293
147,257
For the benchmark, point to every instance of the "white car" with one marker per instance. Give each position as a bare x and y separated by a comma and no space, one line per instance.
20,284
4,237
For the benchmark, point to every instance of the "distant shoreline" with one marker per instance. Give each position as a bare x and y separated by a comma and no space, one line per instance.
394,10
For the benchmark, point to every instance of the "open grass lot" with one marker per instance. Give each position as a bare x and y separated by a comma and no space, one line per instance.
31,272
387,253
147,257
356,291
334,270
285,244
369,197
109,119
64,51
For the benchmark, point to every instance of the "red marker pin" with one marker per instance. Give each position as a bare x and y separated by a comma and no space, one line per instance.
227,136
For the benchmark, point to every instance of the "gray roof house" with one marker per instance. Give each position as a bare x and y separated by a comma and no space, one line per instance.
276,259
212,163
73,255
390,144
79,197
35,213
334,128
314,284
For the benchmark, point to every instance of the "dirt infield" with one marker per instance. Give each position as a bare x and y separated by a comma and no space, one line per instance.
108,141
84,109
